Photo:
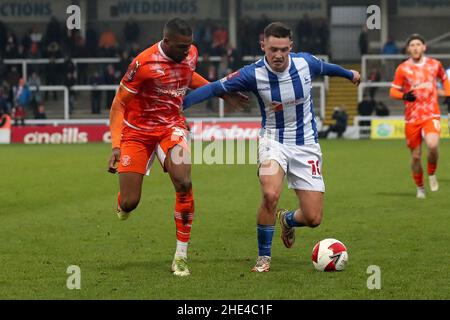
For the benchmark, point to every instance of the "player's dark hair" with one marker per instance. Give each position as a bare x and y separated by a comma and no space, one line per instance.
277,30
178,26
415,36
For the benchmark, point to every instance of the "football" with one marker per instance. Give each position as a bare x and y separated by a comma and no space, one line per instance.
329,255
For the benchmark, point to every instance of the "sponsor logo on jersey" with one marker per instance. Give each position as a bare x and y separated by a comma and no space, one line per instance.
131,72
424,85
277,106
172,92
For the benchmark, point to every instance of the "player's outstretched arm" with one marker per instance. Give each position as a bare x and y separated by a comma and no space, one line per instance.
334,70
213,89
115,124
235,99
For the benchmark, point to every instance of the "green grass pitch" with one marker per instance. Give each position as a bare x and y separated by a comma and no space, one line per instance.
57,209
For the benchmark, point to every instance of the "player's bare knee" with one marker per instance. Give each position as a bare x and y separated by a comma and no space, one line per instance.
416,157
129,204
314,219
183,185
433,149
271,198
314,223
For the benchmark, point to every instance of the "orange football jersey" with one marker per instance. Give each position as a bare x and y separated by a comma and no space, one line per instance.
421,78
160,85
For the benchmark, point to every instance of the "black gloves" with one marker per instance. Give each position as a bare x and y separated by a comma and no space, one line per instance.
409,96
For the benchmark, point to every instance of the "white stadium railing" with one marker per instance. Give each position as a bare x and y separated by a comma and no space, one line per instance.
25,62
65,90
364,85
399,57
58,122
323,86
56,88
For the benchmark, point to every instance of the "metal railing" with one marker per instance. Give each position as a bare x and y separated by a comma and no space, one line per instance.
56,88
365,58
321,87
25,62
65,90
364,85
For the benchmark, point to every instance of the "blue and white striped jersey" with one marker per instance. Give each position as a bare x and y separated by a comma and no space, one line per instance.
284,98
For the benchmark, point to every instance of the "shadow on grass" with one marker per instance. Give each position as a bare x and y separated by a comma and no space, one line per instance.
150,264
396,194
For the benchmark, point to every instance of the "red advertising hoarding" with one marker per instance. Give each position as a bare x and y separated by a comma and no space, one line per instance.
68,134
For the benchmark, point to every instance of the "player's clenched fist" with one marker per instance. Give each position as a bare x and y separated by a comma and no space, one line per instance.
356,77
114,160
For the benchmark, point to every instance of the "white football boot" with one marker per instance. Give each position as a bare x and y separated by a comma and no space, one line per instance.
434,185
421,193
180,267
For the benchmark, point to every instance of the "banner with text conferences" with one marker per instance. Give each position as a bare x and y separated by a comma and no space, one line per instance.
33,10
69,134
122,10
423,8
284,9
395,129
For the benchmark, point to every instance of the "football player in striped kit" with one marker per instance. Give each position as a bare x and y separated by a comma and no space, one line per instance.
288,140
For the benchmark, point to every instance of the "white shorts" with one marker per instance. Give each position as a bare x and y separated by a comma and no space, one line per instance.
301,164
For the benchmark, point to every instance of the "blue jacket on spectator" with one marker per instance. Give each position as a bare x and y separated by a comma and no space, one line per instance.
25,96
390,48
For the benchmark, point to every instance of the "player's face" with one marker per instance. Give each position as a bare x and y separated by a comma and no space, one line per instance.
416,49
277,52
177,46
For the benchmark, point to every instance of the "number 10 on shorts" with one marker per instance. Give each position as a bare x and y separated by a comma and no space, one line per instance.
315,167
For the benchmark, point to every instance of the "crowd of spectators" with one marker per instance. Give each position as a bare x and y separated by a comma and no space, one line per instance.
310,35
58,44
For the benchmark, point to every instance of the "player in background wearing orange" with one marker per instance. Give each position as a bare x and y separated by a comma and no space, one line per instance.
146,121
415,83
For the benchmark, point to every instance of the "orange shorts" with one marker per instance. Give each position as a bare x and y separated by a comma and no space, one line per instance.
138,150
415,132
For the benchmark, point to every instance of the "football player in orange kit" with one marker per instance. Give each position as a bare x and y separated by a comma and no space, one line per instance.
415,83
146,121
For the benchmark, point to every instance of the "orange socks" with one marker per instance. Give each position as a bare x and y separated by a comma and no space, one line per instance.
184,213
418,178
431,169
